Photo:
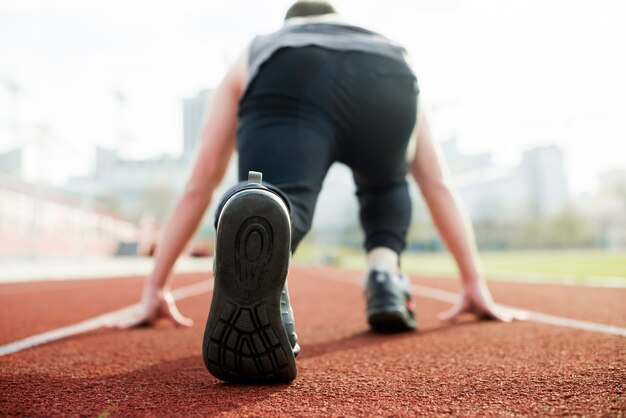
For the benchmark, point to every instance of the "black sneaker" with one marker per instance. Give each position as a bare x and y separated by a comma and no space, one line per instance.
245,339
290,327
389,304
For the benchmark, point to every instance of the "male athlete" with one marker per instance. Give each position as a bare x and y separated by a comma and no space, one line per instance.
315,92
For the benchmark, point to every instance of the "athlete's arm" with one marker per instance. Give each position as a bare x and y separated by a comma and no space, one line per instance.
216,147
429,171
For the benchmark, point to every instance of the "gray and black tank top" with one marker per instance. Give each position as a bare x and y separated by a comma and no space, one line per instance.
331,35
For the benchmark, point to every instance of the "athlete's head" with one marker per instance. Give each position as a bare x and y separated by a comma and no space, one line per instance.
303,8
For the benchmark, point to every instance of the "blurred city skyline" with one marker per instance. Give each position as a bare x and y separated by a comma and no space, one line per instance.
501,77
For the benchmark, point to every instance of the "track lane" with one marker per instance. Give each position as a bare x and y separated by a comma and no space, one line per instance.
467,369
586,303
26,310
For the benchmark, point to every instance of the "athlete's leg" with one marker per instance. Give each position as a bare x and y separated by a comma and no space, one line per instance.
385,214
293,163
292,145
376,150
385,110
285,134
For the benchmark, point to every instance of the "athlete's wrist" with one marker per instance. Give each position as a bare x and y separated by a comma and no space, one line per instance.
151,290
472,279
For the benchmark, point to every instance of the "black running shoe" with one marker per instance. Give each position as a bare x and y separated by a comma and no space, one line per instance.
290,326
389,304
245,339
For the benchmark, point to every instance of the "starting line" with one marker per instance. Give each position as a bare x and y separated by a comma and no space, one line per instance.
205,287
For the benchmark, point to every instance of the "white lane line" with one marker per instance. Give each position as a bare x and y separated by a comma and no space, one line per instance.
204,287
96,322
451,297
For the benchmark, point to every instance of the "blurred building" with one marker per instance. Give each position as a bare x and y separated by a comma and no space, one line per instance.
543,169
459,162
148,187
11,163
536,187
134,187
194,111
606,209
120,173
37,220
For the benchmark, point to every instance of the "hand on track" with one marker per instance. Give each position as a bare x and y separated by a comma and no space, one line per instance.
476,299
155,305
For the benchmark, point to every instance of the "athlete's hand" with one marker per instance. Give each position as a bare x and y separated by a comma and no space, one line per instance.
155,304
476,299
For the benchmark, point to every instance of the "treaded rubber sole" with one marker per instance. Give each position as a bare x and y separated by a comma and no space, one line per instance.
245,340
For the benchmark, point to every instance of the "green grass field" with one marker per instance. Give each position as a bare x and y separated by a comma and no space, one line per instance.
578,266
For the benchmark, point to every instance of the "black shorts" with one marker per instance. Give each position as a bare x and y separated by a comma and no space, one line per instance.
310,107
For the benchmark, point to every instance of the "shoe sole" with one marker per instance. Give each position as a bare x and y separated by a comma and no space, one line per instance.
391,320
245,340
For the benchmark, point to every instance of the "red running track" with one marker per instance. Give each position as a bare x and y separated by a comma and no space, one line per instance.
472,368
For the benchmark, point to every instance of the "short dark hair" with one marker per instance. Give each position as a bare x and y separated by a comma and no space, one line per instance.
304,8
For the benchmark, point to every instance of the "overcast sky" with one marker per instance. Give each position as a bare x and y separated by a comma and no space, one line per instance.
501,75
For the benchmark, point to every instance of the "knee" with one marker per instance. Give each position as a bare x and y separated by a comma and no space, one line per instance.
385,204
